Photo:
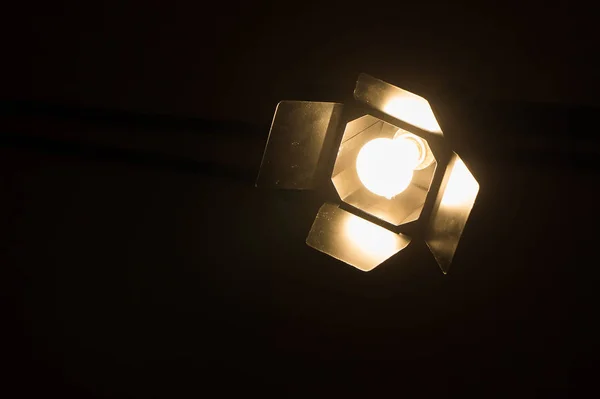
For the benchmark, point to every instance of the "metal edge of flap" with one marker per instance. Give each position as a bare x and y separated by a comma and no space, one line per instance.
300,136
397,103
352,239
450,212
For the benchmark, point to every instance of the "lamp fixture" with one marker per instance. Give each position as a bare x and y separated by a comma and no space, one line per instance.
392,165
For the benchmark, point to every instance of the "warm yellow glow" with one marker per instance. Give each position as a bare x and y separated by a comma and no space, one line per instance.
371,240
414,110
461,188
385,166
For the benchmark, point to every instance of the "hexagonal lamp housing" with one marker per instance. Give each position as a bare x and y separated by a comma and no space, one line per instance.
298,156
401,209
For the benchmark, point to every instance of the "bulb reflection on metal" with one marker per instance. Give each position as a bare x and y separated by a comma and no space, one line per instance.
412,109
369,239
351,239
385,166
449,215
461,188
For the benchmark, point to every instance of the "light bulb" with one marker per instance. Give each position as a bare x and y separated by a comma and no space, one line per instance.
385,166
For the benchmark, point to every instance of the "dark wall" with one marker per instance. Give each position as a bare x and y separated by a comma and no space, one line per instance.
127,278
138,259
237,59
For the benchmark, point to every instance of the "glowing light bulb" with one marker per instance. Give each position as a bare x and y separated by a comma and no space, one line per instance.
385,166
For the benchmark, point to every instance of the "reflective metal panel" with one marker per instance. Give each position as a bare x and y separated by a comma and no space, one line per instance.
352,239
359,125
450,212
301,136
396,102
402,208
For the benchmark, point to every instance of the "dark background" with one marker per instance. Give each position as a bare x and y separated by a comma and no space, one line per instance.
138,259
